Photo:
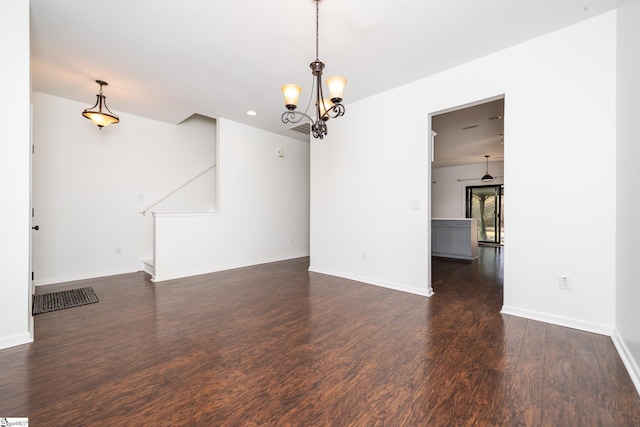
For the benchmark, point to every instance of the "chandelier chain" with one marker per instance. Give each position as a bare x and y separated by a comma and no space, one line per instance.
317,25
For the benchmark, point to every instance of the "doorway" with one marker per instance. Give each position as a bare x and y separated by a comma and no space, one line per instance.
486,204
461,140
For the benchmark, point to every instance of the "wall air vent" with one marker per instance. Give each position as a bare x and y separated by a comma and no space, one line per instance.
302,128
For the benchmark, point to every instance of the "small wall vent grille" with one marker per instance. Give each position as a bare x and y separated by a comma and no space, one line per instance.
302,128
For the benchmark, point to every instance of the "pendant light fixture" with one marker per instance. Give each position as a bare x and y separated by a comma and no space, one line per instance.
325,108
100,117
486,176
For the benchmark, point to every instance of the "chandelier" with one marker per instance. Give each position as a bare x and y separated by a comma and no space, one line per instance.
99,117
324,108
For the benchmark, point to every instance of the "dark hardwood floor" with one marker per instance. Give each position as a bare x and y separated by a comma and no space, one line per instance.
276,345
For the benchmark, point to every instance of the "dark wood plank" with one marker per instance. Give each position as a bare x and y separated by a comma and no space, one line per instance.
276,345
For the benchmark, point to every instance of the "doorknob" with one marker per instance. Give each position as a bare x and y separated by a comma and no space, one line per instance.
37,227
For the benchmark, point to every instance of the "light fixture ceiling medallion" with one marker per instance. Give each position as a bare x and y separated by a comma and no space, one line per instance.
99,117
486,176
325,108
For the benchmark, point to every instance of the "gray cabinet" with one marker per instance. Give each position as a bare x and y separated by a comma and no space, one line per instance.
454,238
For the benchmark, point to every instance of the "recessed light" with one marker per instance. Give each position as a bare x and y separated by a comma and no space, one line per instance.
251,113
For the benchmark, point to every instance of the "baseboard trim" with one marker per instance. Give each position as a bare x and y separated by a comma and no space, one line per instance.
15,340
627,359
568,322
65,279
425,292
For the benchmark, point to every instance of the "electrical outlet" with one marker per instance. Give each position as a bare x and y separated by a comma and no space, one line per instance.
364,256
565,283
118,250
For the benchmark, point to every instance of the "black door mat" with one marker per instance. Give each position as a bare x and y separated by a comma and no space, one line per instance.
53,301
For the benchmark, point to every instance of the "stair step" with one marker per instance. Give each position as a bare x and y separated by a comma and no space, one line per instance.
147,266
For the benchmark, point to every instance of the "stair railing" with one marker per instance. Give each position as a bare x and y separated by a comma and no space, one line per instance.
172,192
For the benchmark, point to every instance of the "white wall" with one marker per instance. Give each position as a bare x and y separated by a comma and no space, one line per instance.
264,208
365,176
559,112
15,288
628,176
448,186
90,185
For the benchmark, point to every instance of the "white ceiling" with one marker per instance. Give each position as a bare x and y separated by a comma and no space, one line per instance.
466,135
168,60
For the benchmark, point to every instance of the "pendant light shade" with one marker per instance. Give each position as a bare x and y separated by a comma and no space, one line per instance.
486,176
336,86
291,94
101,116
